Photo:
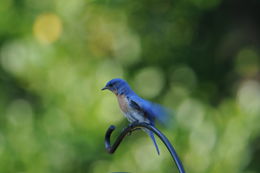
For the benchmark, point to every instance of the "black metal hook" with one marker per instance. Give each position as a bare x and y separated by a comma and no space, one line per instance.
135,126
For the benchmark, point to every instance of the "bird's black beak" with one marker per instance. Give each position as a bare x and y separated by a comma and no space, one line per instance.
104,88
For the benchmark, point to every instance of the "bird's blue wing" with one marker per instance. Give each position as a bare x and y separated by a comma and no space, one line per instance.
152,110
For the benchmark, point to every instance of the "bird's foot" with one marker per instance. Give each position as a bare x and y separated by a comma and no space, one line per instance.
129,133
131,126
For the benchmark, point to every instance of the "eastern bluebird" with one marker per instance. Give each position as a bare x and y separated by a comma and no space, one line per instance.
136,109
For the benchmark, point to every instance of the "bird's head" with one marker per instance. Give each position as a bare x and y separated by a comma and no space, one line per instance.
118,86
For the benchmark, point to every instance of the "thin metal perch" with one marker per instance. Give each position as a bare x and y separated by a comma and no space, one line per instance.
135,126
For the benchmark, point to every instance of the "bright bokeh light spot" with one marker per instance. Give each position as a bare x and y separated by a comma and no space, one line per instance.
202,141
123,162
12,57
175,95
128,164
22,56
235,138
190,113
106,71
248,97
247,62
127,48
47,28
197,162
70,9
149,161
203,138
149,82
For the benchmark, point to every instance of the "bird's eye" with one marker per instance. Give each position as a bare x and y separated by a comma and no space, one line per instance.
110,85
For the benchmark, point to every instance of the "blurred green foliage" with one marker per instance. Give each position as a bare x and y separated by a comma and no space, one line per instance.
197,57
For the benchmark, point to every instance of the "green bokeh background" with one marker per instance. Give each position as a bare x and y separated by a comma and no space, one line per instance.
199,58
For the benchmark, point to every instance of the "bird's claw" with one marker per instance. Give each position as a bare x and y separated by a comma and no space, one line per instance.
129,133
131,126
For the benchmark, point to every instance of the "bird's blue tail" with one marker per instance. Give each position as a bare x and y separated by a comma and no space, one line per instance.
154,141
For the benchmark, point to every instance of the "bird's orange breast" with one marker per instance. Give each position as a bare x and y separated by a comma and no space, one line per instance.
122,101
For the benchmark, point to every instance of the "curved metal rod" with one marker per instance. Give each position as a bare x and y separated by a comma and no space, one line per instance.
135,126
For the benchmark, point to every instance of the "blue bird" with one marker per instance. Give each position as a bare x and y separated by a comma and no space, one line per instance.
136,109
